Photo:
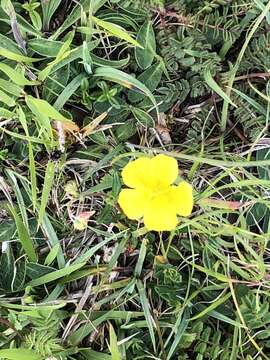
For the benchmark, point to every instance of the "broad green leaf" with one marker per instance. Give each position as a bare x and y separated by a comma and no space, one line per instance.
47,186
15,76
62,54
16,57
6,99
94,355
55,83
45,47
19,354
24,236
150,78
87,59
146,37
215,87
8,43
143,117
11,88
6,114
263,154
124,79
116,30
45,108
43,111
34,270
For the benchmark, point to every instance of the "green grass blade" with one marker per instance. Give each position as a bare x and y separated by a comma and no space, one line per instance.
113,345
47,186
24,237
146,309
55,275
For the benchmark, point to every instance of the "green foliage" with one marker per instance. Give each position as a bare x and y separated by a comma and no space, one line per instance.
84,87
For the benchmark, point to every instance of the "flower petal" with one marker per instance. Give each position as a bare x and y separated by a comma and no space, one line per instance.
184,197
152,173
134,202
160,215
136,173
165,169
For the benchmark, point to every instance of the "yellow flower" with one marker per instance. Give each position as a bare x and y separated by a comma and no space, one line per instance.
152,196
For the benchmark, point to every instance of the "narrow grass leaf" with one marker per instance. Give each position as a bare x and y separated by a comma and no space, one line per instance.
214,305
146,309
48,9
113,345
19,197
32,166
52,254
24,237
47,186
51,235
215,87
181,328
4,113
257,106
116,31
53,276
68,91
141,258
